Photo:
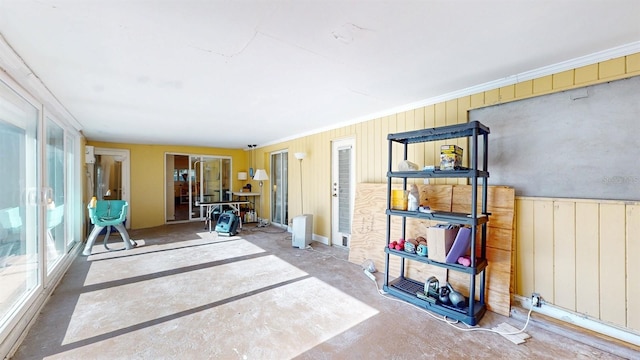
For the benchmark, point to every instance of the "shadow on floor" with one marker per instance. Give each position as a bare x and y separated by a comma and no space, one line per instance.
187,293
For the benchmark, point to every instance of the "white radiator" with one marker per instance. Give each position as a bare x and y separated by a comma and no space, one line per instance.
302,231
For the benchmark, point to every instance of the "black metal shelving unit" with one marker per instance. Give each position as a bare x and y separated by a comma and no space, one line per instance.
406,288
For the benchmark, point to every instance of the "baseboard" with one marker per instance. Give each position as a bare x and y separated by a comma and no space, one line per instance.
21,327
320,239
314,237
579,327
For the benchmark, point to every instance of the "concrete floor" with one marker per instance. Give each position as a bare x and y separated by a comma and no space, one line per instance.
184,293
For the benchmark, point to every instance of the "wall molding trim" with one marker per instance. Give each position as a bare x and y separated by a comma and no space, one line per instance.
579,320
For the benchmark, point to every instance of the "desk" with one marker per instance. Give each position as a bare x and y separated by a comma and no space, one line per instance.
248,196
210,206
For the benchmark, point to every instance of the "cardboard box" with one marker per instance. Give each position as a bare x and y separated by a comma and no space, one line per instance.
450,157
439,242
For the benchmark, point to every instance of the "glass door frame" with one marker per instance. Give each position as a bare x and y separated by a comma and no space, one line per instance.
33,221
279,190
124,155
198,172
52,194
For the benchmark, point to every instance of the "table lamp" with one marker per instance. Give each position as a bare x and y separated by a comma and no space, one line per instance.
242,176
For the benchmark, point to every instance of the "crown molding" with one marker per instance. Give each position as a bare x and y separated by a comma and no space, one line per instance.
590,59
18,70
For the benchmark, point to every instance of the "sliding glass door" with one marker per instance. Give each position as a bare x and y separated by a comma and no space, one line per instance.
40,205
210,182
280,188
20,262
194,179
55,200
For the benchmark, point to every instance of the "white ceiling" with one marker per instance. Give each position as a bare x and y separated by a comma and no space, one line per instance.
232,73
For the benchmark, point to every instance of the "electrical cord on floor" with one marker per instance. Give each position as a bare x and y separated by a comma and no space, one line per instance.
325,253
491,330
262,229
444,318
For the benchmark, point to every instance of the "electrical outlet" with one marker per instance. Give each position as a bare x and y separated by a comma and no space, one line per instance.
536,301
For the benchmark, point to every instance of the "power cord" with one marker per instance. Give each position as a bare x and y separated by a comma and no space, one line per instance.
325,254
261,229
444,318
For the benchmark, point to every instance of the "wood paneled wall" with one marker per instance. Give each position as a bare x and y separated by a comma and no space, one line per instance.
371,135
581,255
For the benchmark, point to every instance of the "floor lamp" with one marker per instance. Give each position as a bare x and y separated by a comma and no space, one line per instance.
261,175
300,156
302,227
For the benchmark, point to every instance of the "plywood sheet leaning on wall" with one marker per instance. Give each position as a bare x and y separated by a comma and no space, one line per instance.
500,239
369,232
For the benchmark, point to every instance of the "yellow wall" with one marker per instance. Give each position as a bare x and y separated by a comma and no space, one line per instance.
581,255
147,176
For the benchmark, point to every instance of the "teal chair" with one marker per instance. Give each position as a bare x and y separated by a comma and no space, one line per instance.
105,214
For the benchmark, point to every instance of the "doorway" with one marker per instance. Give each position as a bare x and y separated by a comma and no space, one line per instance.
210,182
342,190
279,188
177,187
110,174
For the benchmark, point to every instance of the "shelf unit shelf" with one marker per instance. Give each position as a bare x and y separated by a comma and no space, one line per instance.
470,129
458,173
406,288
458,218
480,265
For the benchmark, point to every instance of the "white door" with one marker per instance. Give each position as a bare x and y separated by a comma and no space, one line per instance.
342,190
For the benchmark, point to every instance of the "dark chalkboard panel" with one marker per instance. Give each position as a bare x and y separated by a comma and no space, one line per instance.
581,143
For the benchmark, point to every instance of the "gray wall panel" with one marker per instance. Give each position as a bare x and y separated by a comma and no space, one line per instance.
581,143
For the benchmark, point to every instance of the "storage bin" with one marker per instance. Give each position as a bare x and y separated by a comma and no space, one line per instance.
439,242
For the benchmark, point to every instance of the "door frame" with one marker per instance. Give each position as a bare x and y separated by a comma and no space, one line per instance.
336,145
202,161
283,189
125,156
